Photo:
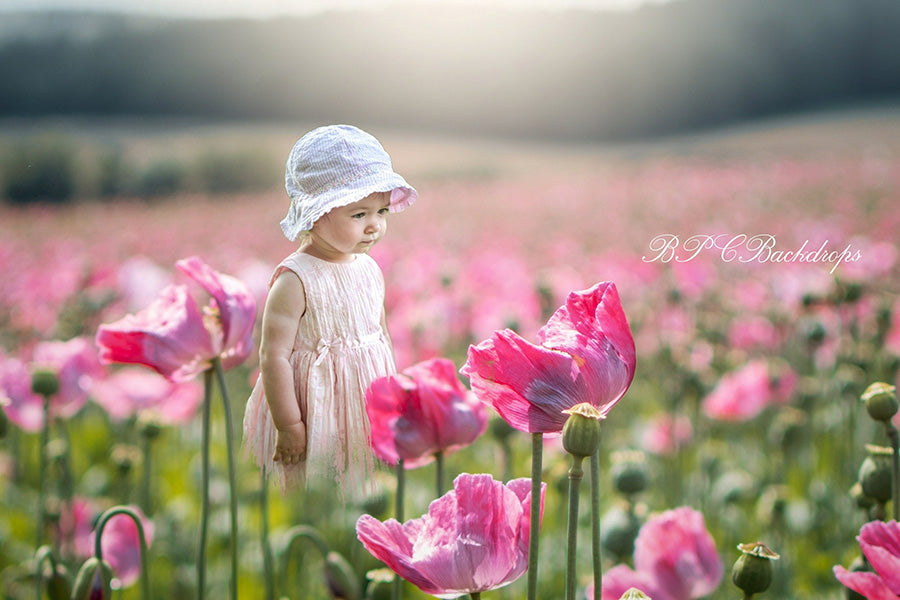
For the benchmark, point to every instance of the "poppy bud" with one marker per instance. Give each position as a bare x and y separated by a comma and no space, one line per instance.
59,584
752,572
875,473
881,401
581,433
44,382
340,577
93,581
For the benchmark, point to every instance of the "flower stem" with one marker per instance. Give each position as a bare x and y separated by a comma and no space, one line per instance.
98,548
204,495
147,442
266,547
42,490
576,473
475,595
894,438
43,553
537,454
232,479
439,467
398,511
595,523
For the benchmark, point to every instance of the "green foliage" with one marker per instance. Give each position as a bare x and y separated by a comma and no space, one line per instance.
41,168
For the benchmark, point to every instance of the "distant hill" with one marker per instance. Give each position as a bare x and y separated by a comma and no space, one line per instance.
526,73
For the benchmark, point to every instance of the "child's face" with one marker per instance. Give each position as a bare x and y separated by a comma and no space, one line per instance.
353,228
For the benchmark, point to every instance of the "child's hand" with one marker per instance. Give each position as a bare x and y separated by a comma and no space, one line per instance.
290,444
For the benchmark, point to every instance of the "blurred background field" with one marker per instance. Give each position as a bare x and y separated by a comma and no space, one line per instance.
105,188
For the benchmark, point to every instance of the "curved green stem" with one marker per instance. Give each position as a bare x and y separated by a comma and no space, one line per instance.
894,438
232,479
595,523
439,469
98,548
537,453
43,553
268,574
292,535
204,494
575,475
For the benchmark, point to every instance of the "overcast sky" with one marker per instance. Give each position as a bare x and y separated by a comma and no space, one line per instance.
268,8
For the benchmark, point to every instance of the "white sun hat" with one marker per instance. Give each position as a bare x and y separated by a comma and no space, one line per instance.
334,166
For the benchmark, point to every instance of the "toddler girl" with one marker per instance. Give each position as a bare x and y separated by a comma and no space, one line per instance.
324,337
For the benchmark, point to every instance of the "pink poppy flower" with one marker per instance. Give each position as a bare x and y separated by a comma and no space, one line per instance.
75,523
121,546
75,364
473,538
422,411
880,542
174,338
664,433
675,558
138,392
743,394
586,355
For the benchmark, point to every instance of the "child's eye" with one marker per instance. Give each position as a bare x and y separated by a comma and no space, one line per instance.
384,211
358,215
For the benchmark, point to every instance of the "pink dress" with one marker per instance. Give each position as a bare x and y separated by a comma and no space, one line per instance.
339,350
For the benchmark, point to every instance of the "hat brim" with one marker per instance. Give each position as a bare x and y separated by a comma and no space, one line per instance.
306,209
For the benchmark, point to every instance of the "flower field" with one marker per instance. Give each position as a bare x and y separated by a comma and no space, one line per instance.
759,271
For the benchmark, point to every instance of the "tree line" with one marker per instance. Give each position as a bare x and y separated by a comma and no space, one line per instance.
567,74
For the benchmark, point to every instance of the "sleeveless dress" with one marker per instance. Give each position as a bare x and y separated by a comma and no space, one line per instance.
339,350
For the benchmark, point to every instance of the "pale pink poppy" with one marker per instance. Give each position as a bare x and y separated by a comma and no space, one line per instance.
172,335
138,392
473,538
422,411
880,543
675,558
76,366
664,433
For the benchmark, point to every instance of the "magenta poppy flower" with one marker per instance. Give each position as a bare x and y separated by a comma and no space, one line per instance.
172,335
422,411
473,538
880,543
76,365
121,546
586,354
745,393
133,391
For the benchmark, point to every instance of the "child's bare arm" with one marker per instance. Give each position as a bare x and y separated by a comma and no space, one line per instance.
284,307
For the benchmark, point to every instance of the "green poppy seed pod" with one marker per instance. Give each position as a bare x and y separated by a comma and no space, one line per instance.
151,430
875,473
862,501
59,584
93,581
881,401
44,382
752,572
341,580
629,471
619,529
581,433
